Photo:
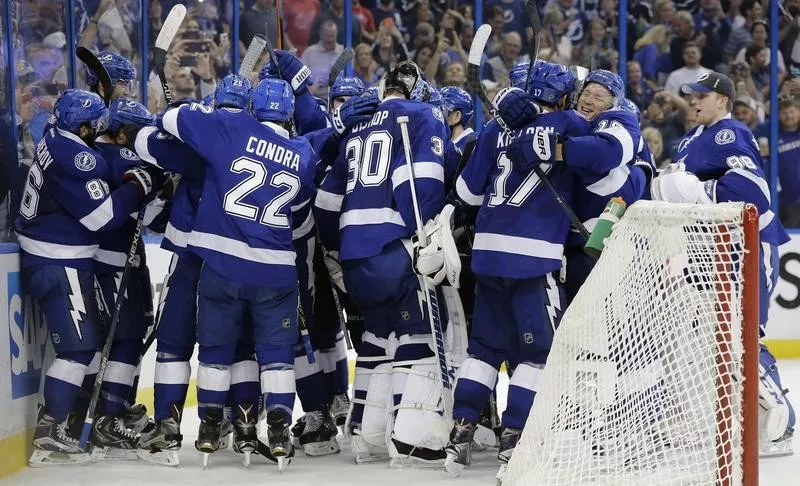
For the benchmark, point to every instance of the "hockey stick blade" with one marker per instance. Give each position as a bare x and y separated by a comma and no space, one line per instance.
163,41
95,66
535,18
338,66
252,55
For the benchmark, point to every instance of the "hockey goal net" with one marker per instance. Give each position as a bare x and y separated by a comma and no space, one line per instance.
652,377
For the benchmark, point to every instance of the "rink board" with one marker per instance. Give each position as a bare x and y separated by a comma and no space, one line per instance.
23,342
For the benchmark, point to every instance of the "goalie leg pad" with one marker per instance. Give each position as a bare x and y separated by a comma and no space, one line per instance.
521,392
421,411
776,416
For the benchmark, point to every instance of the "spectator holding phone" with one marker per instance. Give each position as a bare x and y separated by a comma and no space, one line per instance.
389,48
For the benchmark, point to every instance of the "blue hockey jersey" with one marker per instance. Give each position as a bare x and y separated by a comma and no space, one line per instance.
377,207
520,229
256,178
67,200
725,156
328,204
467,136
605,163
167,152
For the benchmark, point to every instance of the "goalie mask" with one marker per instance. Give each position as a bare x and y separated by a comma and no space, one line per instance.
405,78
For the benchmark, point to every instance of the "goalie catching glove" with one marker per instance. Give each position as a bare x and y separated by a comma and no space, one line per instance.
439,258
676,185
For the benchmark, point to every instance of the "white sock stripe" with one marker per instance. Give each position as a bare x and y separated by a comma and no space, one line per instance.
117,372
327,362
478,371
67,371
94,365
244,372
304,369
172,373
214,378
527,375
278,381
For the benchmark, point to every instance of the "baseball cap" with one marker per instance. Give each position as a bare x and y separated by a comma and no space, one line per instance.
747,101
712,81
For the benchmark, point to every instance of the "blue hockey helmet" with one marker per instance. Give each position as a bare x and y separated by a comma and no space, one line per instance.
127,112
232,92
119,69
630,107
272,100
345,86
517,74
77,107
550,82
610,81
455,98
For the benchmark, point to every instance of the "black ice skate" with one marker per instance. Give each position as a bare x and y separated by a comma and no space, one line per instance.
297,431
340,407
112,439
52,444
508,441
208,436
280,439
459,449
319,434
136,419
245,436
160,443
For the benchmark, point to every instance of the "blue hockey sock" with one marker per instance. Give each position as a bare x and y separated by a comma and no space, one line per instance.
312,388
244,384
63,381
214,376
476,380
521,393
171,381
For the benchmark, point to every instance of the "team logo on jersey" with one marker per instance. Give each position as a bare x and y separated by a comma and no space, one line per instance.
85,161
527,337
725,136
87,103
286,322
128,154
437,113
405,315
163,136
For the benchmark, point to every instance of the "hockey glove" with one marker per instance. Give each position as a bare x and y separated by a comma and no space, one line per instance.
439,258
358,109
682,187
516,108
331,259
292,69
533,146
146,177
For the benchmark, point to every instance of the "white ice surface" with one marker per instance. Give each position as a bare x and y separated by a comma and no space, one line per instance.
339,470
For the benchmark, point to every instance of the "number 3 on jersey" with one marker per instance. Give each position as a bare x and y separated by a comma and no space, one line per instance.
258,176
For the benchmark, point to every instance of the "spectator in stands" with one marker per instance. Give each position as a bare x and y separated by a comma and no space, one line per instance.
364,66
683,27
760,34
649,49
389,48
424,34
758,59
596,44
789,162
638,90
664,11
789,35
261,18
656,145
366,20
745,110
740,74
664,114
299,16
386,10
740,37
690,71
716,28
496,19
334,13
455,75
467,34
502,63
734,15
320,57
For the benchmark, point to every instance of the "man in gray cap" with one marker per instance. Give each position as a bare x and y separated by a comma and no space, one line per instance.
719,161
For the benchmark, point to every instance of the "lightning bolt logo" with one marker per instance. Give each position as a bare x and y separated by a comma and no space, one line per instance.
553,304
77,307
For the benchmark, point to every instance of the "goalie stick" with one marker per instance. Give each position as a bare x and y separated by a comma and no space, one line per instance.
428,287
474,82
168,31
252,55
95,66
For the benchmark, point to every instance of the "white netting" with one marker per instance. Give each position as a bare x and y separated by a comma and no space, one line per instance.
643,385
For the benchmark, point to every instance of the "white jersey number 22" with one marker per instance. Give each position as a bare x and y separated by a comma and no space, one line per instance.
258,176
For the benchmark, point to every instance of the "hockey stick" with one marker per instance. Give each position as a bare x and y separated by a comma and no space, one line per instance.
95,66
254,51
474,81
168,31
339,65
428,287
279,33
531,9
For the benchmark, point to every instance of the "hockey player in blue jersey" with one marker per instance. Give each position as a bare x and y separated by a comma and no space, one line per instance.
66,201
126,117
719,161
520,233
459,109
376,224
122,74
256,176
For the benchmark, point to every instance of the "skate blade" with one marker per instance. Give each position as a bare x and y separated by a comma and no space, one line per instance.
317,449
283,461
246,458
205,460
453,467
160,458
776,449
42,458
113,454
501,474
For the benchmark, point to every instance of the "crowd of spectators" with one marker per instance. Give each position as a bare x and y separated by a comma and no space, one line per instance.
668,43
